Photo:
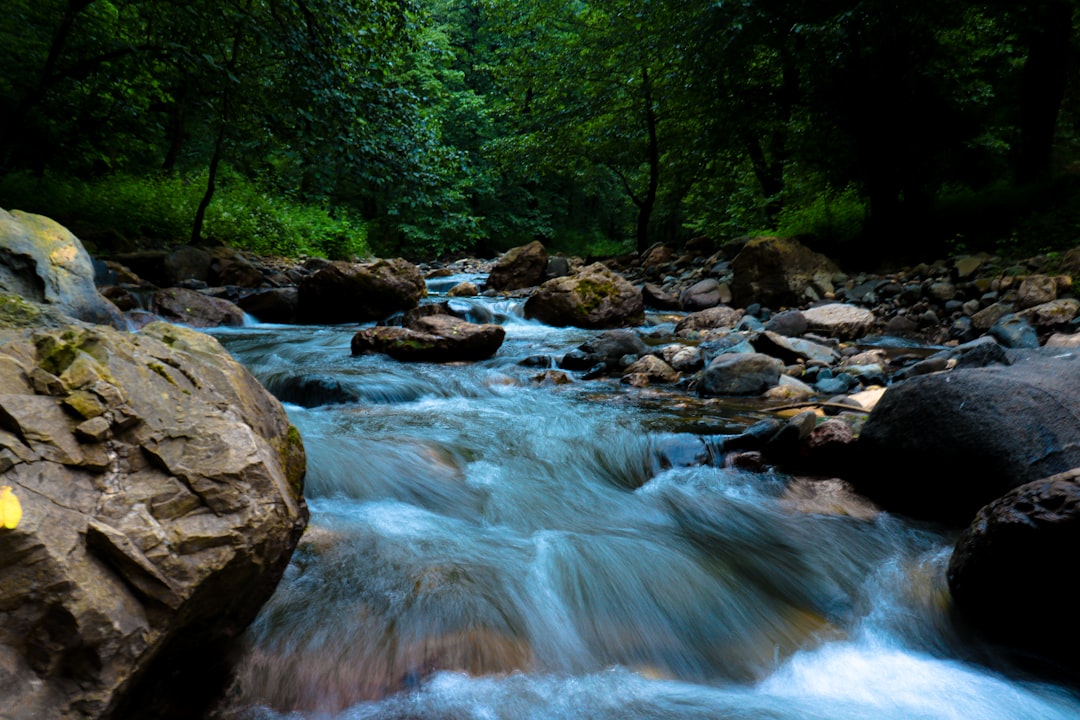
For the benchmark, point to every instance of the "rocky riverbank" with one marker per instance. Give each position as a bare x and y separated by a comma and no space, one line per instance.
932,390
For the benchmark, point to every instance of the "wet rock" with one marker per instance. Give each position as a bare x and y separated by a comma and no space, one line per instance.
594,297
941,446
339,292
463,289
43,262
194,309
520,267
740,374
1013,331
1006,573
152,532
433,338
839,320
780,272
272,305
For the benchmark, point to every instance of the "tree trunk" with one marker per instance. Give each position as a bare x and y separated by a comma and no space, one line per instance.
647,203
1044,79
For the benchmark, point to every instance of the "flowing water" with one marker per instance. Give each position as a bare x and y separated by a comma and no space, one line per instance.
484,545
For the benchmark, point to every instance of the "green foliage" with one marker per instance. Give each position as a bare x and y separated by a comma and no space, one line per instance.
837,217
161,207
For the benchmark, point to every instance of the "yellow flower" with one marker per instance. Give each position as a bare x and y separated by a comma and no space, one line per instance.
10,509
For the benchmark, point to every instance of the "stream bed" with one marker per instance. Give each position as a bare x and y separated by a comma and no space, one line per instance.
485,546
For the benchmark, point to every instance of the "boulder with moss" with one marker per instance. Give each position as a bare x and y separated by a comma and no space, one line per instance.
594,297
161,496
41,261
340,292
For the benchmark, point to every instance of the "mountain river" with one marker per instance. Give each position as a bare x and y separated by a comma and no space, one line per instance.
484,546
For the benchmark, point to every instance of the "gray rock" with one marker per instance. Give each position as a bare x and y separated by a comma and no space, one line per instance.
740,374
161,490
1010,573
1013,331
44,263
839,320
520,267
941,446
594,297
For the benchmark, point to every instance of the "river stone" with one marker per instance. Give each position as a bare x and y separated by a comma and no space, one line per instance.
839,320
740,374
701,295
187,262
340,292
1013,331
151,533
789,323
791,350
649,370
1036,290
231,267
44,263
272,305
434,338
463,289
1009,574
194,309
656,297
594,297
778,272
941,446
985,318
1051,314
520,267
684,358
709,319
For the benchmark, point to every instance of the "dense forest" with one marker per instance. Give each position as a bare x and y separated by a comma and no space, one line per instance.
342,127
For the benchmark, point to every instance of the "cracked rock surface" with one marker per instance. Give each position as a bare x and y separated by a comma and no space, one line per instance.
161,489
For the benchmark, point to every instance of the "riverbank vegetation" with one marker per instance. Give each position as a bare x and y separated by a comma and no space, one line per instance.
339,128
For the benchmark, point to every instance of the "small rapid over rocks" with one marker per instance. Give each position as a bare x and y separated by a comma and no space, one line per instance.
487,542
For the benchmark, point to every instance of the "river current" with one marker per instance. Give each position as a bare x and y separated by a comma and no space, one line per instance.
484,545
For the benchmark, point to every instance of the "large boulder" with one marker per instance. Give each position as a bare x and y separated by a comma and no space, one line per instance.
594,297
340,292
44,263
779,272
1011,574
943,445
161,495
431,338
520,267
